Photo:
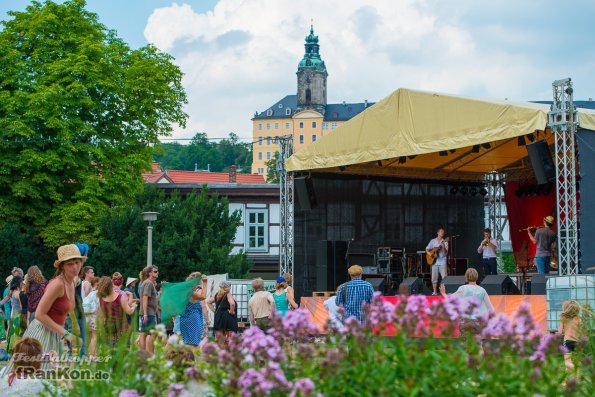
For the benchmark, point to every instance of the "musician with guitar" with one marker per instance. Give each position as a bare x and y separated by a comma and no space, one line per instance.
436,254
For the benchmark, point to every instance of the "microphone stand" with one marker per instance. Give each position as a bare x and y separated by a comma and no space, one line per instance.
451,256
347,251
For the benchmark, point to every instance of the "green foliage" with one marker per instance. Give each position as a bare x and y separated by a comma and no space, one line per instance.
190,234
20,247
202,152
272,174
509,265
78,113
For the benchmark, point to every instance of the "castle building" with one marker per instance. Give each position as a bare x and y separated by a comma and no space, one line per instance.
307,116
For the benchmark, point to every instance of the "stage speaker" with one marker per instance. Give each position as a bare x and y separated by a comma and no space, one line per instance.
304,192
416,286
499,284
452,283
331,266
378,283
541,160
538,282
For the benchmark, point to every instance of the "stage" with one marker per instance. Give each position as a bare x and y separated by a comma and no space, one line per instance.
505,304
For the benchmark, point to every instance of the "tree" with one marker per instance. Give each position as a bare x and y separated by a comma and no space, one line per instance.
194,233
79,113
206,154
21,247
272,174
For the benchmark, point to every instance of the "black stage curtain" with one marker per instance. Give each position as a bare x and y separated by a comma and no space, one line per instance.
381,213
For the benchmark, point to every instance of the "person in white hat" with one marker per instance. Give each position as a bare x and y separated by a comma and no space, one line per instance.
56,303
545,243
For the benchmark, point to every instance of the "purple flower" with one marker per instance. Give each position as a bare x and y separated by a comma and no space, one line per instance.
175,389
305,386
129,393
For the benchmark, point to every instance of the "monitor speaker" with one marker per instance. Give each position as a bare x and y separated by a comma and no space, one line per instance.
416,286
452,283
541,161
538,283
378,283
499,284
304,191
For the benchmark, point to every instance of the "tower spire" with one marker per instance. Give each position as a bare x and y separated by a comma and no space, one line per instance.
312,76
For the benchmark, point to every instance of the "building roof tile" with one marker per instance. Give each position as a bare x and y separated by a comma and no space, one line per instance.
176,176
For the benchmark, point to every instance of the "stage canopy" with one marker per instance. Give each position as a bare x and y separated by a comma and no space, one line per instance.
436,136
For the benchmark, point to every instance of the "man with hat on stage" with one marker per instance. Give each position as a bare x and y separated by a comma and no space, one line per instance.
545,244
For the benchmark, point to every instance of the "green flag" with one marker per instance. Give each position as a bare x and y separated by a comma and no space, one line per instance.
175,297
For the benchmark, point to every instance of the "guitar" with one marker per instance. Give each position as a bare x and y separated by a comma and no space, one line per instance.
432,254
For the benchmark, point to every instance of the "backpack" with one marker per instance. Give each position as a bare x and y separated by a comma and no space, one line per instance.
91,303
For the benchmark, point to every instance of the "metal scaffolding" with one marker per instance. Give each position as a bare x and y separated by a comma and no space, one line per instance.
286,208
563,121
497,218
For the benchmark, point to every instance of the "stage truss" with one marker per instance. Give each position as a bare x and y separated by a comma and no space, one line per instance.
286,207
497,218
563,121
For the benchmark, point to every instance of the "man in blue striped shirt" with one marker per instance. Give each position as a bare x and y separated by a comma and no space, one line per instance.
352,294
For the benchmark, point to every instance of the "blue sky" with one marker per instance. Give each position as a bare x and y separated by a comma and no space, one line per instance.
240,56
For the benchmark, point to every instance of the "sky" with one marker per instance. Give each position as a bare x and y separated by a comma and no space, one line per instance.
241,56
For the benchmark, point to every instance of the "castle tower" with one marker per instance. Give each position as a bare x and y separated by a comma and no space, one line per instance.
311,76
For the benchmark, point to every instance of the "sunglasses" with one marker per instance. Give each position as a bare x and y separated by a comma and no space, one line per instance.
154,271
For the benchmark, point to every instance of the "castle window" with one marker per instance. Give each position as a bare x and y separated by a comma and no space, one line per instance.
287,126
280,106
260,155
335,115
270,112
260,140
308,96
314,138
260,126
268,126
268,155
276,126
334,125
325,126
301,139
288,111
268,140
301,124
314,124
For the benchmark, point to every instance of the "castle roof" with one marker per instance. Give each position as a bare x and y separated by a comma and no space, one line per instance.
332,111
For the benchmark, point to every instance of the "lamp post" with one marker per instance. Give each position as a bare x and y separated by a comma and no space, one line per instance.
150,217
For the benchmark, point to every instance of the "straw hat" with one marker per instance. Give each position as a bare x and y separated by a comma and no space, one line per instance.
67,252
130,280
549,219
8,279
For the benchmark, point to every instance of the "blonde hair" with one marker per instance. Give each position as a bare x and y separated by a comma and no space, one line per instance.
570,310
193,275
105,287
34,275
288,277
471,274
355,270
222,292
258,284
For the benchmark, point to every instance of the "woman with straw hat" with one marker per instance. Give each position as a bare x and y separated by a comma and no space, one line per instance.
56,303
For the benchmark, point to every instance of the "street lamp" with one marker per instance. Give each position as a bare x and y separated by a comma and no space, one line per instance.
150,217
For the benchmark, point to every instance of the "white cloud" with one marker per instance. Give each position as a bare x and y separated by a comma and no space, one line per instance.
242,56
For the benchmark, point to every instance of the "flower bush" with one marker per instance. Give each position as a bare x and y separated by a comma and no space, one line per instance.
502,357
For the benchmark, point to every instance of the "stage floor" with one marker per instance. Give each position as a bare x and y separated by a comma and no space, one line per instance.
506,304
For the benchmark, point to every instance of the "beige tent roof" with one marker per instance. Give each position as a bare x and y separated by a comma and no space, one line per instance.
423,134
